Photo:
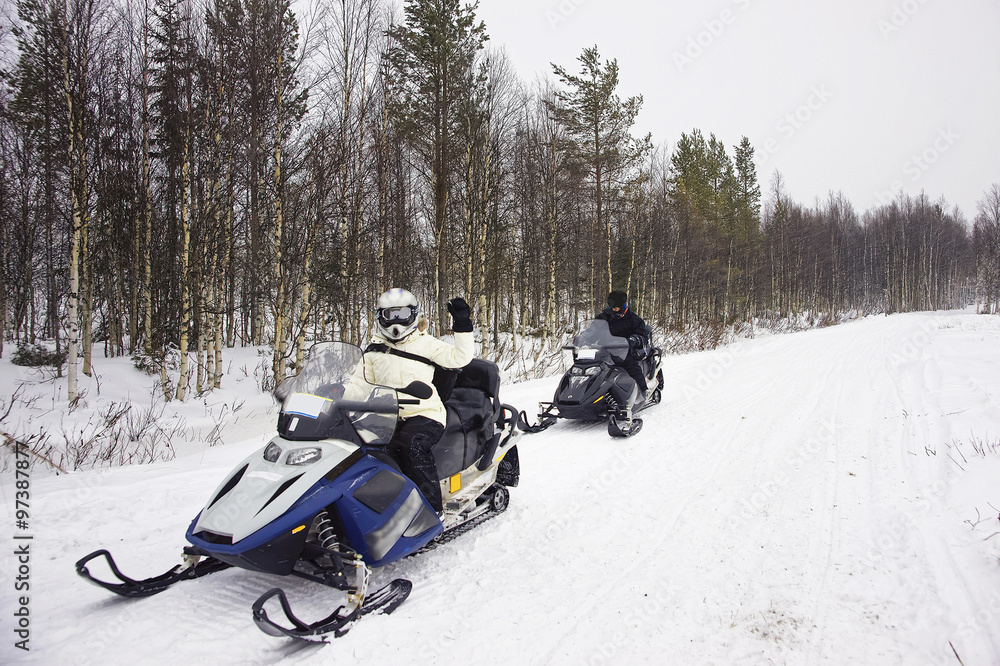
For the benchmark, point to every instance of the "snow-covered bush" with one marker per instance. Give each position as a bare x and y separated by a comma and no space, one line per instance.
35,356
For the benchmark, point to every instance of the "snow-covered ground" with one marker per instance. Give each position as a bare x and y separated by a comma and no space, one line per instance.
824,497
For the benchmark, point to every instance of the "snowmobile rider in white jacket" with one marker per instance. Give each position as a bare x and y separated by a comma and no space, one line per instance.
386,363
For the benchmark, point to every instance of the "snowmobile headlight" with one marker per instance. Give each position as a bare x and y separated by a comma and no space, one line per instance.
304,456
272,452
588,371
592,370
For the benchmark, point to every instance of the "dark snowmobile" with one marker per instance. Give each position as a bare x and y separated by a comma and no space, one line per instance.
324,501
597,388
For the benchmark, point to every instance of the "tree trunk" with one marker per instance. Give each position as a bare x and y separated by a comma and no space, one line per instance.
280,342
185,263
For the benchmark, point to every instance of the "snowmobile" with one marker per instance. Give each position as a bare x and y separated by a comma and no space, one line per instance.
598,388
324,501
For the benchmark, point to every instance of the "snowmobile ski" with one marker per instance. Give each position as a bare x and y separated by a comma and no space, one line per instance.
624,428
129,587
385,600
545,420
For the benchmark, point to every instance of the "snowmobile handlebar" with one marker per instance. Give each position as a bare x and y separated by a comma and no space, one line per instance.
417,389
386,405
370,406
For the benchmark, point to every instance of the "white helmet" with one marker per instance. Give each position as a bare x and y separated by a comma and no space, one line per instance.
396,314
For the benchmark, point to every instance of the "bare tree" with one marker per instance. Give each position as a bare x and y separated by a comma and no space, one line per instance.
986,239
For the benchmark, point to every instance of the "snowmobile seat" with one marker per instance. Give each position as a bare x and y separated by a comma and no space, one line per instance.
473,410
650,361
481,375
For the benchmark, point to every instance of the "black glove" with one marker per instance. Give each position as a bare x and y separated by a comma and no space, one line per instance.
461,315
637,345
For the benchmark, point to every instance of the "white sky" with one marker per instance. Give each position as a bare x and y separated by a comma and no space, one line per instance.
866,97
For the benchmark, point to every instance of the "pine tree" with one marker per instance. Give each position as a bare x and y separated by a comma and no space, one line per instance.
746,229
37,118
430,57
599,124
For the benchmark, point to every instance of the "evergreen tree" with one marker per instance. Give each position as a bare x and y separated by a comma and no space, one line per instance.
599,125
36,201
746,229
430,58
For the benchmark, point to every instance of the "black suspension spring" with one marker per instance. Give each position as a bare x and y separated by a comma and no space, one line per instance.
325,534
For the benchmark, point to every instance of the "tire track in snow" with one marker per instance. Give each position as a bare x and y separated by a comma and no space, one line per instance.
861,505
931,466
820,603
651,547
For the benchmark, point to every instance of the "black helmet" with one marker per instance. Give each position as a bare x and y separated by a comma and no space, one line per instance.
617,304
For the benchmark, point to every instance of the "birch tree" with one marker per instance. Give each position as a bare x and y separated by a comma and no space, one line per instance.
79,18
986,235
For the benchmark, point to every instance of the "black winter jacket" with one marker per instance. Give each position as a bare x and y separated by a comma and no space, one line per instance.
628,325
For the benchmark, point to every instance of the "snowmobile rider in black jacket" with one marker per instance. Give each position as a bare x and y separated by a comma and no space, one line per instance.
624,323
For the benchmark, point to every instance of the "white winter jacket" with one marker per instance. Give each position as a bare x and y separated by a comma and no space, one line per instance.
383,369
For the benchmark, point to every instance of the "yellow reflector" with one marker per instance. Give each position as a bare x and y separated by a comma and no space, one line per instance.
455,483
599,399
298,529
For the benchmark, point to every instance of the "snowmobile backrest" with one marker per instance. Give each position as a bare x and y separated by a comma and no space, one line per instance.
481,375
470,425
473,410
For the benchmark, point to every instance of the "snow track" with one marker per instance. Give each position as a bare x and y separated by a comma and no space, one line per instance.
812,498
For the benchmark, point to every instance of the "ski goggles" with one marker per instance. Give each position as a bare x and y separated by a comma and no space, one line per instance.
617,312
404,314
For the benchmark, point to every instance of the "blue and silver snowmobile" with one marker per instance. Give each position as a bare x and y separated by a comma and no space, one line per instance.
324,501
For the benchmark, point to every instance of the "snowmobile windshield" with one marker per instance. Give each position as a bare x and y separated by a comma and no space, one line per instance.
595,344
328,401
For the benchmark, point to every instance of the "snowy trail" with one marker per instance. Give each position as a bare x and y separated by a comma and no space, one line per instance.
806,498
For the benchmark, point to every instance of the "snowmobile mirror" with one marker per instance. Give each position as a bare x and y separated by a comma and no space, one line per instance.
283,389
417,390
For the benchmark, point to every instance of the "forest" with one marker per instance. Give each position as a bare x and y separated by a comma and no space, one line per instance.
182,177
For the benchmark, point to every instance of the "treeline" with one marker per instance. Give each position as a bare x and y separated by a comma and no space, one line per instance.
185,177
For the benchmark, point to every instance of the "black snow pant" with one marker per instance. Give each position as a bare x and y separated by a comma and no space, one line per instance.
411,447
631,365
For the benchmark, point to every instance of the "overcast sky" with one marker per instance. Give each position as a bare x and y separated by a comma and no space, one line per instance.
866,97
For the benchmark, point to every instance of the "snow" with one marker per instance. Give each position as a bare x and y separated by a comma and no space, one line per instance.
821,497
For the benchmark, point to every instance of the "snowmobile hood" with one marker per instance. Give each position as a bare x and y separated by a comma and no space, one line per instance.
268,483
